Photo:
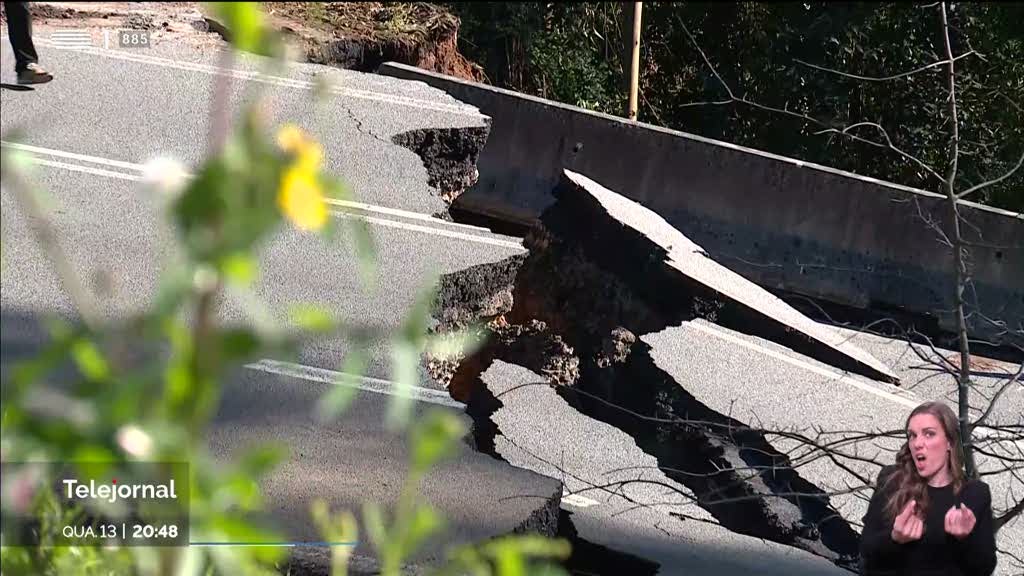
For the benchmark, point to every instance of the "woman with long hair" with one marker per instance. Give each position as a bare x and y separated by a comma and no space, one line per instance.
926,517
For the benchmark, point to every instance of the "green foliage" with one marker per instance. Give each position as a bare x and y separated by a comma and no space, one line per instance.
575,53
510,557
247,26
116,410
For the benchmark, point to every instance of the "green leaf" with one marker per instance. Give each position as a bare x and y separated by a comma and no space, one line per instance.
235,529
548,570
414,329
239,268
373,518
535,546
322,517
93,453
435,437
404,363
312,318
262,460
240,343
366,251
90,360
238,490
18,161
192,563
510,562
424,524
202,205
29,371
452,345
245,23
175,285
334,528
341,395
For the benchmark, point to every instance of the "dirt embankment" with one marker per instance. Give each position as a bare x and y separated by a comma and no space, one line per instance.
363,35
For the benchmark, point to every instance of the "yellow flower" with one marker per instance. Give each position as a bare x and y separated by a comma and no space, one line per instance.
291,139
300,197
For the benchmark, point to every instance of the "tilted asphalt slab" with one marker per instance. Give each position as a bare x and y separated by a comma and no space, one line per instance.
691,261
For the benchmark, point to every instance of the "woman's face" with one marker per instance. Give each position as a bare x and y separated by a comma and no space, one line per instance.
929,445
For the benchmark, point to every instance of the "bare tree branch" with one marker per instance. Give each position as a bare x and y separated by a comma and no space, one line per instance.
828,129
882,78
1000,521
975,188
992,403
930,222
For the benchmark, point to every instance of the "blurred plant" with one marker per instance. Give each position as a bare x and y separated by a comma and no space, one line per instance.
157,408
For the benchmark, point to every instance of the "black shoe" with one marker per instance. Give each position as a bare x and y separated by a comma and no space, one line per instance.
34,74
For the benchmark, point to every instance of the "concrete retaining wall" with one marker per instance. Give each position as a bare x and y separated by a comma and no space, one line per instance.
780,222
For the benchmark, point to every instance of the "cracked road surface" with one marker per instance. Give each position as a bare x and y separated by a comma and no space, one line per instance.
126,107
108,112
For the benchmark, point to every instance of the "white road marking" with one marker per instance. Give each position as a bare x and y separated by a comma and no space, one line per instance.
86,169
436,228
577,501
401,213
71,155
367,383
432,230
254,76
832,375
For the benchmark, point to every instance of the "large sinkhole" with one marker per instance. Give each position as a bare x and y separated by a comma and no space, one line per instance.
573,310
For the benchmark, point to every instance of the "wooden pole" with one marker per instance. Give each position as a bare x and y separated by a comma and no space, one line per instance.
634,69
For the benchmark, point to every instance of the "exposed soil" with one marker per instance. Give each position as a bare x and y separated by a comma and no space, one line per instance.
363,35
571,310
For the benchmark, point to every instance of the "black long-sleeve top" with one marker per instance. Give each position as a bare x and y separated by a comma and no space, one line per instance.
936,553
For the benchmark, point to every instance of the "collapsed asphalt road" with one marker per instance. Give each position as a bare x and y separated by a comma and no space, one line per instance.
638,330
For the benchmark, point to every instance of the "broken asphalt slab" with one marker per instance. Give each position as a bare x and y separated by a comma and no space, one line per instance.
605,224
601,272
624,509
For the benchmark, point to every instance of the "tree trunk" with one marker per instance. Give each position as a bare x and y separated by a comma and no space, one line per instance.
964,377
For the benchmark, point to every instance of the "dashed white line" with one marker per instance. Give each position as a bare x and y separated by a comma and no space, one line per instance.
139,167
437,227
367,383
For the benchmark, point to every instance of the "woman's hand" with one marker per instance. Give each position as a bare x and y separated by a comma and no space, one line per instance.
960,521
908,526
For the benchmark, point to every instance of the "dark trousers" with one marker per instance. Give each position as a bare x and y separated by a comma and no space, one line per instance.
19,27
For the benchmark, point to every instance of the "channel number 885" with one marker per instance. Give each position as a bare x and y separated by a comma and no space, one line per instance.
134,38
